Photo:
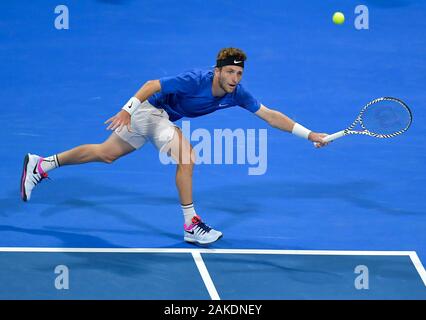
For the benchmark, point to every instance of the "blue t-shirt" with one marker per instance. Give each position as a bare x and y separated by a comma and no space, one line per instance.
189,94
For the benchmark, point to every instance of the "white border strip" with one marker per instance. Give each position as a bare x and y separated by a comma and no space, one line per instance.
224,251
205,275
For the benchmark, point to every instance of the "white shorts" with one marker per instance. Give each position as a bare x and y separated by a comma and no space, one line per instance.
148,123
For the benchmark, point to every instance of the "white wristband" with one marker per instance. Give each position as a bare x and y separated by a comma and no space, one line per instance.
300,131
132,105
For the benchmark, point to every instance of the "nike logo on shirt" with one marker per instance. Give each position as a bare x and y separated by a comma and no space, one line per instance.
223,105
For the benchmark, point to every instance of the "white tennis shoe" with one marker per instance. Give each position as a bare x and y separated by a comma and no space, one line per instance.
32,174
200,233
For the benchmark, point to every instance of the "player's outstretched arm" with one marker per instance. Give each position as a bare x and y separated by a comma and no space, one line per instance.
123,117
280,121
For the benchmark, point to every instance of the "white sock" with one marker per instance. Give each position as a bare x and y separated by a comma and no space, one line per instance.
50,163
188,213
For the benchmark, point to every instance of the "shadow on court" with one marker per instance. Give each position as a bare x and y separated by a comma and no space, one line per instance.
69,239
69,194
354,193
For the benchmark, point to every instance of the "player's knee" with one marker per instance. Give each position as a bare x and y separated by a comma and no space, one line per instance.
109,159
193,158
107,156
186,168
187,158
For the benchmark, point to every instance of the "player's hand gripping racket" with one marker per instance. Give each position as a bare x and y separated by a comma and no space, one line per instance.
384,117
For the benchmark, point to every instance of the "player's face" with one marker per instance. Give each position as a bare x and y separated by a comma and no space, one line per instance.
229,77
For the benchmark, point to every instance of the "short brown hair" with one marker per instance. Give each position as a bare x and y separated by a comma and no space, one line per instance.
231,52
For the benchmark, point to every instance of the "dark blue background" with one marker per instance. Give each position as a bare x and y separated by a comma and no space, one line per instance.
59,86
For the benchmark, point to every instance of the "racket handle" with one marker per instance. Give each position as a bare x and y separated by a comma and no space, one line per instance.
334,136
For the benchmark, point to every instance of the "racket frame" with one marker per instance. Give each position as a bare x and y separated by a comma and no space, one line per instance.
358,119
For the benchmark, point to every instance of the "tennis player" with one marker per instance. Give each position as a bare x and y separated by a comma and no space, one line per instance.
150,115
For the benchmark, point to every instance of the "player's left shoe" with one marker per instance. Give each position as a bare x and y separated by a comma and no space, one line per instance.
200,233
32,174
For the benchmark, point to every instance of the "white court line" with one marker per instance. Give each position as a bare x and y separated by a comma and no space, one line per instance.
205,275
412,254
419,267
224,251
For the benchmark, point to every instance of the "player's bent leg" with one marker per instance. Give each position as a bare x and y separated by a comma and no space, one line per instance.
33,172
109,151
182,152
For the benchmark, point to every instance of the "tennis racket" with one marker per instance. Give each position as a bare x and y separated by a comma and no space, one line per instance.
384,117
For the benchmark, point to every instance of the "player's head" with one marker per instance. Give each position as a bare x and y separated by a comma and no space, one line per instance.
229,68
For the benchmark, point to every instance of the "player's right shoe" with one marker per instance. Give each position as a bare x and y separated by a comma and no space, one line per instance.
200,233
32,174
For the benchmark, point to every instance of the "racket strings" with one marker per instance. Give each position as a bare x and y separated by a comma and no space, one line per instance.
385,118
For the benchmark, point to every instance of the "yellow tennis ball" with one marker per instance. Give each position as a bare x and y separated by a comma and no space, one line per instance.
338,18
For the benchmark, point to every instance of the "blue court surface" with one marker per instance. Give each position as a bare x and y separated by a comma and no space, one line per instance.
346,221
176,274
